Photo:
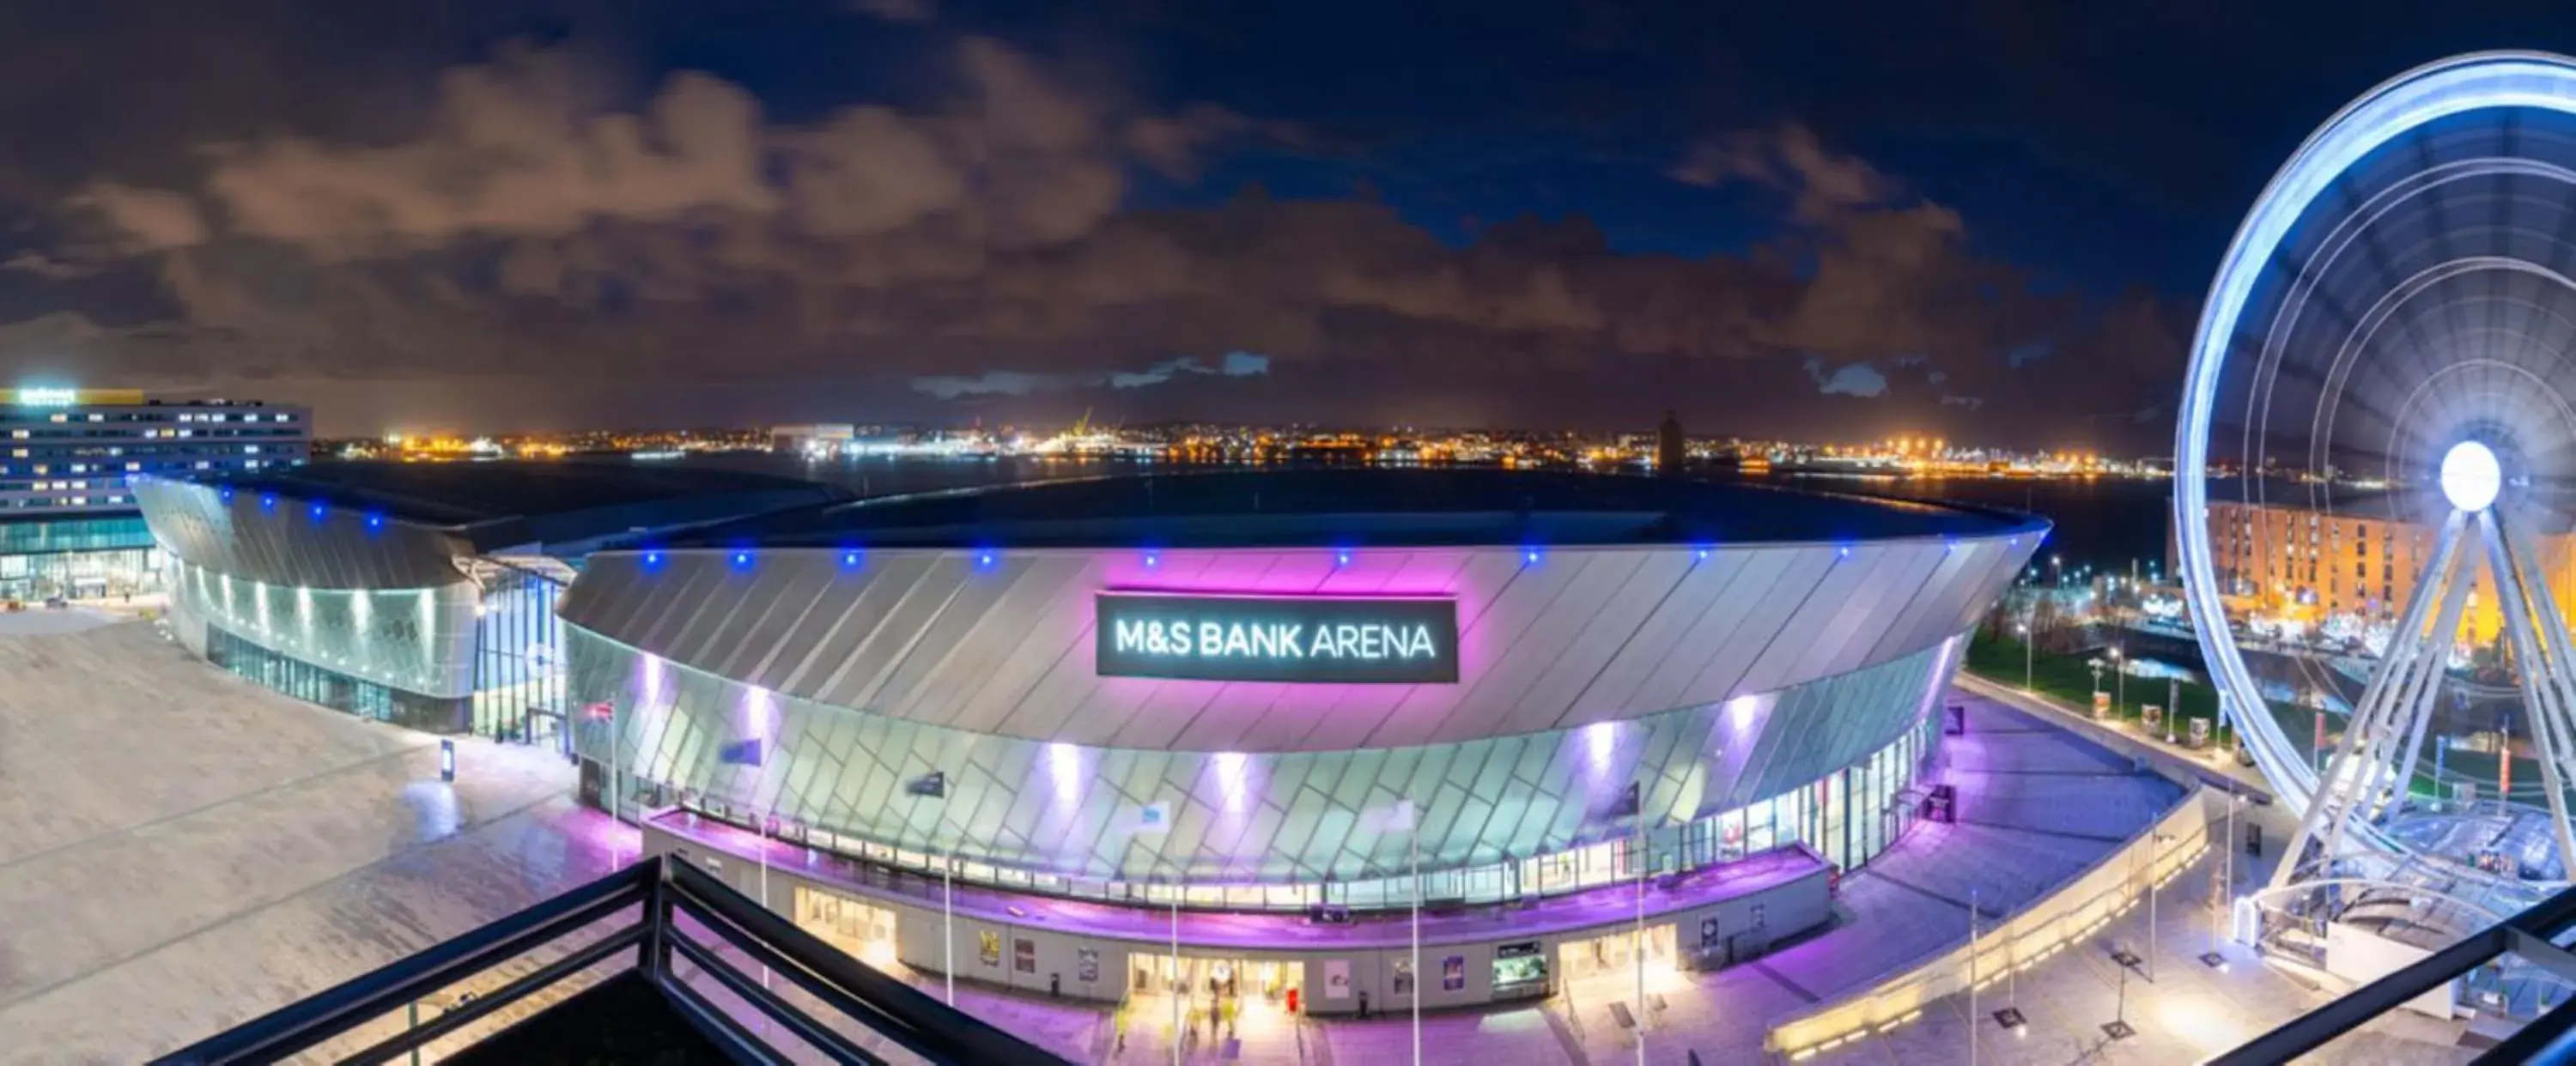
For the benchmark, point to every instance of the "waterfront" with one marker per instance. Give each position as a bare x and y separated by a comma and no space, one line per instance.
2100,522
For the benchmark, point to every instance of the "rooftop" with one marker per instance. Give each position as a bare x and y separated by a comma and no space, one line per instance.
508,501
1358,507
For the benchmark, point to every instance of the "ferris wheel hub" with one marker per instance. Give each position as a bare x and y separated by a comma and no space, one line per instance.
2471,477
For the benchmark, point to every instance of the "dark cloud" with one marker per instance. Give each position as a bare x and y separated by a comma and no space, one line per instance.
985,245
1020,383
897,10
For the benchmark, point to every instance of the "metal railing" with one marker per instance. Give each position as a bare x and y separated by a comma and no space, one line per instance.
2531,935
659,891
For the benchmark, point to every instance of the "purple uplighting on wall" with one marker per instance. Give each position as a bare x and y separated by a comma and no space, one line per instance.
1233,780
1064,774
758,708
649,681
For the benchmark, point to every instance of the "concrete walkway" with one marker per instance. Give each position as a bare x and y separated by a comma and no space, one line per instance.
2037,806
181,851
172,836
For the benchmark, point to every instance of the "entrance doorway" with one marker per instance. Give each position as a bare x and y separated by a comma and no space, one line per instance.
1613,954
863,931
1219,1000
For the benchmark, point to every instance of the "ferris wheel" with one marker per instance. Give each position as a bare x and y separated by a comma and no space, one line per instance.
2376,455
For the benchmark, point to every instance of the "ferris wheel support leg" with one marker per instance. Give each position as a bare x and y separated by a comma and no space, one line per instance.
2420,700
2540,691
2559,651
2330,805
2416,678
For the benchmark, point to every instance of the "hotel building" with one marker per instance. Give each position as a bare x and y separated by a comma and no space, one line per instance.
69,524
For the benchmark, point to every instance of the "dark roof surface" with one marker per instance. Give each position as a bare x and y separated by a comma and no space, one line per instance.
509,501
1335,507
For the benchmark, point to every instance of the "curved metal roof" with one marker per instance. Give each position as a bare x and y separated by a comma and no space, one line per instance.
1362,507
502,503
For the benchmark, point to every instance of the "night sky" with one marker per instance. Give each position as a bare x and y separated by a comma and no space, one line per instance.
1989,219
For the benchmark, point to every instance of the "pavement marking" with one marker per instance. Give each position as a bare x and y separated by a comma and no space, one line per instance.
1926,893
2104,838
1957,769
1320,1048
1565,1038
1763,967
138,827
284,898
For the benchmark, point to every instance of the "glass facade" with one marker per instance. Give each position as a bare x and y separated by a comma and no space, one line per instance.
1848,817
518,657
401,655
330,688
81,558
1828,764
479,656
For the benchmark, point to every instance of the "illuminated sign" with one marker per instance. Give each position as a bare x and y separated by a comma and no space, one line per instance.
55,396
1277,638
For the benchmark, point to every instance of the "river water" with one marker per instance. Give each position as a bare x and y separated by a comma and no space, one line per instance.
2105,524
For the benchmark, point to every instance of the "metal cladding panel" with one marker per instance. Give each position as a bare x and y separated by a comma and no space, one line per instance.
1635,658
1739,627
1857,621
1845,577
1961,589
1583,629
1004,645
282,543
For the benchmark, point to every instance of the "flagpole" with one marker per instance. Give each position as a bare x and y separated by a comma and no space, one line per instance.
1637,940
759,779
1972,976
948,918
616,789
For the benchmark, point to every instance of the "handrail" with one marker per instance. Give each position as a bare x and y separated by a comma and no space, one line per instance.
907,1015
314,1019
2531,932
660,890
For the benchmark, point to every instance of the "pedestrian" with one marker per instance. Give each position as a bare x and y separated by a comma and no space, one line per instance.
1122,1031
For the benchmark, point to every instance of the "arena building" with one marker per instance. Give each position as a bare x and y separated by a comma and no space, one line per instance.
1226,730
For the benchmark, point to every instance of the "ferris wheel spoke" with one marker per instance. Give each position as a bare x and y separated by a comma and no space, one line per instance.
2401,295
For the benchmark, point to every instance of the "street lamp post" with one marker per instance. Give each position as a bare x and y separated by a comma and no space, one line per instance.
2026,656
2173,706
2153,840
2223,883
2120,681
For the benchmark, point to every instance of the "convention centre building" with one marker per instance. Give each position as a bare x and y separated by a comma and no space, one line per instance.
421,594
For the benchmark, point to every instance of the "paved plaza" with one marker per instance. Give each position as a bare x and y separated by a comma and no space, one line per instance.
181,851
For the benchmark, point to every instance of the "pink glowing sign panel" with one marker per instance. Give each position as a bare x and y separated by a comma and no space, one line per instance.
1294,639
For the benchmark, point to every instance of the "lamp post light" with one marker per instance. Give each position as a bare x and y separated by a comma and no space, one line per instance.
2223,883
2119,681
2026,655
